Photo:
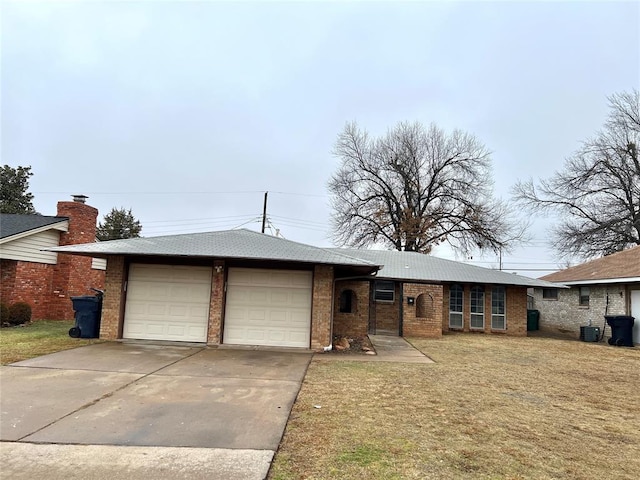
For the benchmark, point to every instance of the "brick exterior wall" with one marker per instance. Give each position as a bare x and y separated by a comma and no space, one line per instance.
113,301
565,316
216,305
29,282
424,317
516,311
47,288
73,274
356,323
321,307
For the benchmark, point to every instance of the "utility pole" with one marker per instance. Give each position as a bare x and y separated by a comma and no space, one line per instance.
264,212
500,259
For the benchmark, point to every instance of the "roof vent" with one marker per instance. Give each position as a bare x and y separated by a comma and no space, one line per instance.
80,198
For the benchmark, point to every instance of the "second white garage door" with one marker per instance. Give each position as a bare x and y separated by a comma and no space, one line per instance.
268,307
167,302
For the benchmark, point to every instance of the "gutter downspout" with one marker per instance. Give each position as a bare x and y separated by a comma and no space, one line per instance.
329,347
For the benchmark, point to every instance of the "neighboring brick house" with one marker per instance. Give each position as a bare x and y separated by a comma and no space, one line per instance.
44,279
606,286
240,287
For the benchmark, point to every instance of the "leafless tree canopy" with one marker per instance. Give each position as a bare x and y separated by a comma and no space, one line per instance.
597,194
414,188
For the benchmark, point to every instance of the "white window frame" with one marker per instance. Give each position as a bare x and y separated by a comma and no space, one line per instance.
581,289
497,315
476,313
455,314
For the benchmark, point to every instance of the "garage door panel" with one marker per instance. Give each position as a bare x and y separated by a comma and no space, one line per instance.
268,307
167,302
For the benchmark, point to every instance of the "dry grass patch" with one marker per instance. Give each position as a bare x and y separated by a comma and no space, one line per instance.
37,338
491,407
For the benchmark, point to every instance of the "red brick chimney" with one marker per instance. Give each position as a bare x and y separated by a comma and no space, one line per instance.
73,274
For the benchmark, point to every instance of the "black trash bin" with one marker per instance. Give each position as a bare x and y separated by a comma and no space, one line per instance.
533,320
88,310
621,330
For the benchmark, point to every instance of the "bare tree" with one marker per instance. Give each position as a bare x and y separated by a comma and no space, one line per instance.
597,193
414,188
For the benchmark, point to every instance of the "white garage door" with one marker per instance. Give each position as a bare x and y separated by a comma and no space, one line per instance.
167,302
635,312
268,307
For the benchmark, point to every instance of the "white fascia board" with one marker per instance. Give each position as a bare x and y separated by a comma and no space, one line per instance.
601,282
62,226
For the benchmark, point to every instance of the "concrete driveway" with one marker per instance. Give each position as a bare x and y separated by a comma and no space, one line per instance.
201,413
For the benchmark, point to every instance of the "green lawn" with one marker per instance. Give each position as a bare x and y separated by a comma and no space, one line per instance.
491,407
37,338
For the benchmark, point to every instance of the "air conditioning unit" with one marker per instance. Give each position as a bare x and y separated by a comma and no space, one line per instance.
589,334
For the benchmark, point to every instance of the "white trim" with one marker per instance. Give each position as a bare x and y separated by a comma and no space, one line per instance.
62,226
599,282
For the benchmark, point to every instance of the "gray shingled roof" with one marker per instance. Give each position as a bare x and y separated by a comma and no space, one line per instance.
240,244
246,244
12,223
421,267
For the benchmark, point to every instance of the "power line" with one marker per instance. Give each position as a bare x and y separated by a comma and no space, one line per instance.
201,219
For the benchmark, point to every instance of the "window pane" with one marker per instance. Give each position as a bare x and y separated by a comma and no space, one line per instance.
477,300
455,320
477,321
584,293
456,298
550,293
498,322
498,301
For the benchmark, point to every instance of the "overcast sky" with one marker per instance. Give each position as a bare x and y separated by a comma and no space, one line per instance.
187,112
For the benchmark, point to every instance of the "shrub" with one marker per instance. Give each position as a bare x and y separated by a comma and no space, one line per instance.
4,313
19,313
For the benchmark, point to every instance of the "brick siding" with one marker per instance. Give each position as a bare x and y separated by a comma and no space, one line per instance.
29,282
321,307
216,305
113,301
356,322
424,317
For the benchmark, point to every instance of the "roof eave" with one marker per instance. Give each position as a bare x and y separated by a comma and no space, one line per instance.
101,254
62,226
599,281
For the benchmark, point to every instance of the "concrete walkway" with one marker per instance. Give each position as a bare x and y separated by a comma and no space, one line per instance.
389,348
